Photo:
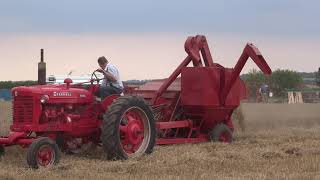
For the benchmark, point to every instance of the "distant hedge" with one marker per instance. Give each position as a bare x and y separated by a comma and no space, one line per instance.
12,84
318,77
279,82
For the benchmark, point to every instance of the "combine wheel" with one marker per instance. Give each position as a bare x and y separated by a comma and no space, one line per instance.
2,151
221,133
43,152
128,128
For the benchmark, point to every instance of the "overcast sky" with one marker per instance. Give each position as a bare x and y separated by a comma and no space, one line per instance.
276,17
288,30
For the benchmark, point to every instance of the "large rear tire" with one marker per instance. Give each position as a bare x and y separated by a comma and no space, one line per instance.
128,128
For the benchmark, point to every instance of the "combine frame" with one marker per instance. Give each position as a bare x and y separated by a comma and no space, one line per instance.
189,108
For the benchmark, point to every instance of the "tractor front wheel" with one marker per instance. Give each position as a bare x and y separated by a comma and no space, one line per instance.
128,128
2,151
43,152
221,133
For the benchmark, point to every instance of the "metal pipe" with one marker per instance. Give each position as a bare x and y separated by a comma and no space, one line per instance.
41,55
249,51
170,80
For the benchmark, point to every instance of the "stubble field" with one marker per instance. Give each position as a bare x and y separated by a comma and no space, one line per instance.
280,141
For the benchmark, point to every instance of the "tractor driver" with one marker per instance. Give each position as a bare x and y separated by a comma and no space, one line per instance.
112,83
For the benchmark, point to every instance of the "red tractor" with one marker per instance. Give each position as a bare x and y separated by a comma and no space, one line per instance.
195,107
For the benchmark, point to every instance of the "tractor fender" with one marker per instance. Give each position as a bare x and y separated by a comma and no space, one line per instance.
108,101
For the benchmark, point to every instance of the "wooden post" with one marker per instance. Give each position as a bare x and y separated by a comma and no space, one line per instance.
290,98
298,97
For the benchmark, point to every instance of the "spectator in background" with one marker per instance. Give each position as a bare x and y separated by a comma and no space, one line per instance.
264,91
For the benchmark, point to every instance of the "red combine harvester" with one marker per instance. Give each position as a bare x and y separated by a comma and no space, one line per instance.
195,107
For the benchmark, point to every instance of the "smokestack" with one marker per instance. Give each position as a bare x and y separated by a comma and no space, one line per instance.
41,70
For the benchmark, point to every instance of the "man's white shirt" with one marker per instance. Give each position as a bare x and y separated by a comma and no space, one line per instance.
114,71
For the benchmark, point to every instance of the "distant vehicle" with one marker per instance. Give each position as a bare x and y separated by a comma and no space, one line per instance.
5,94
59,79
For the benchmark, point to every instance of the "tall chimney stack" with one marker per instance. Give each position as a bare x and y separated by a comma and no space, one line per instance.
41,70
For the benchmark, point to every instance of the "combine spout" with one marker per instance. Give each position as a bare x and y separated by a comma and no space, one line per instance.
249,51
257,57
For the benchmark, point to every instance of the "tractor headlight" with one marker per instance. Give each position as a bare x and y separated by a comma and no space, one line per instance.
44,99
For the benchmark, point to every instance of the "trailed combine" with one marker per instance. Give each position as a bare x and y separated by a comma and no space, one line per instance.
194,104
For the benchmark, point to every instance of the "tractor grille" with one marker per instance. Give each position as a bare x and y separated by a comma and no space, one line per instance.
22,109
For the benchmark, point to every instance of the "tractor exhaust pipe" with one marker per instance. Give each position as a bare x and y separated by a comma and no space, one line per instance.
41,70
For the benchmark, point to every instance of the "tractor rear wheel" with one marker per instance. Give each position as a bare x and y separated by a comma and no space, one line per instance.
128,128
2,151
43,152
221,133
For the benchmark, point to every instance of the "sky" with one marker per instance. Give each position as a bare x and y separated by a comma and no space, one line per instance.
145,38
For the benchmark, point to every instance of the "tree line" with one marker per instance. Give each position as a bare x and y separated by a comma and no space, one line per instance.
279,82
318,77
12,84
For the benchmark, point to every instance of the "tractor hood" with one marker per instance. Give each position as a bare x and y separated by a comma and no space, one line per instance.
54,93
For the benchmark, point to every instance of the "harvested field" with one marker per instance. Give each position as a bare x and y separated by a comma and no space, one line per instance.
280,141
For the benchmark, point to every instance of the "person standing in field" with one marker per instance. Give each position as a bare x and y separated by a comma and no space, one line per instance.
112,83
264,91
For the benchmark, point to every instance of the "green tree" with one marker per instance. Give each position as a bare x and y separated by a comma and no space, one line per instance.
283,80
279,82
12,84
318,77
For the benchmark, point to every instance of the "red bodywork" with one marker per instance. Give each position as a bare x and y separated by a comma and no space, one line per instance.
186,108
71,111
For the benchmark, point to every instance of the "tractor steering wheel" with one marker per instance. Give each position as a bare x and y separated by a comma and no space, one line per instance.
94,77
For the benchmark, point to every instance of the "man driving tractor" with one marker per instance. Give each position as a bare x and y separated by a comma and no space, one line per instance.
112,83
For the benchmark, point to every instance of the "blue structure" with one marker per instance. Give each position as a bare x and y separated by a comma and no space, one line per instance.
5,94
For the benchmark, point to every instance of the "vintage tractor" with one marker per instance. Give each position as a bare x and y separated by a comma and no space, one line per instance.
195,107
51,118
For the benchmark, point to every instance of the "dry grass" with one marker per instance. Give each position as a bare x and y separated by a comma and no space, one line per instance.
280,142
5,117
